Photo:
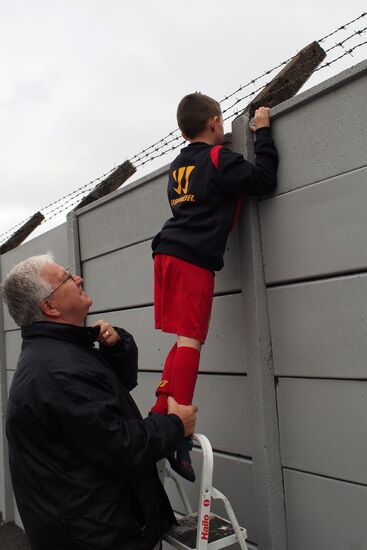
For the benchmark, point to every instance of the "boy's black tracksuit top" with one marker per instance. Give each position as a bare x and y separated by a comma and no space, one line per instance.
205,183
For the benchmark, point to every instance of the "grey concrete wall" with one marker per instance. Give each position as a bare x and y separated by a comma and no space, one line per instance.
281,389
314,249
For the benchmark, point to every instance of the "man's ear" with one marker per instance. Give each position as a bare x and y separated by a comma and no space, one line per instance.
48,309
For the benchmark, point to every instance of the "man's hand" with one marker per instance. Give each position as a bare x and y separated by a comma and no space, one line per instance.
187,414
261,119
107,334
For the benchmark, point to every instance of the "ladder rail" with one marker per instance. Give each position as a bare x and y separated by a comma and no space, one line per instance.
241,534
207,492
206,485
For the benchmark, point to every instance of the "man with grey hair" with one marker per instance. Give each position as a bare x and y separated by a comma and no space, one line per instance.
82,459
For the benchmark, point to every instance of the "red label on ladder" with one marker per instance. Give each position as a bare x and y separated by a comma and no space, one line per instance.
205,528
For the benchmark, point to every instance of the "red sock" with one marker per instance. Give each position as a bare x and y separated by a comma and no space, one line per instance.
184,374
163,389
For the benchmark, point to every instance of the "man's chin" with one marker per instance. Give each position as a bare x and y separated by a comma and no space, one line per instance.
87,298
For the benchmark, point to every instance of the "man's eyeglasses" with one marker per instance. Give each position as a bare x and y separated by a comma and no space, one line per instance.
68,277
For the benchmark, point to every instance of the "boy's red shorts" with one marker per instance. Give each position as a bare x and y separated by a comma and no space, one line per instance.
183,296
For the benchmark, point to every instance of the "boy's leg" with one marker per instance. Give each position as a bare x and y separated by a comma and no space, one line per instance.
183,380
164,387
182,303
185,369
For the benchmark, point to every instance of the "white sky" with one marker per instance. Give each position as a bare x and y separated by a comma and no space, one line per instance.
86,84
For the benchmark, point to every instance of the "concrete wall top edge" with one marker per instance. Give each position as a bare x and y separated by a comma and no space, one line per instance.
323,88
125,189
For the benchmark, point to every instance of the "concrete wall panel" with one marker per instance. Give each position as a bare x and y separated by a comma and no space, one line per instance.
13,343
53,241
136,213
322,427
227,424
324,514
316,231
222,352
120,279
322,138
124,278
319,328
9,379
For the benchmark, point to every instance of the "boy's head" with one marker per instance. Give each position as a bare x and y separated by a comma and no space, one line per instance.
200,115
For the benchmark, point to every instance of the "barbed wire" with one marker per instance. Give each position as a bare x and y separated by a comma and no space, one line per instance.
253,92
139,156
163,145
346,52
144,152
13,229
258,78
173,139
341,44
342,27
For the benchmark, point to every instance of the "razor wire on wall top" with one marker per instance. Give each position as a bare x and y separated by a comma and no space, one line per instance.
232,105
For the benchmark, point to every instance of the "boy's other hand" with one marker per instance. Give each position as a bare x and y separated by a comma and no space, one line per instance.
186,413
261,119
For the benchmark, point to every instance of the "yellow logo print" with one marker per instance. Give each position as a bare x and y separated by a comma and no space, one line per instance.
178,176
162,383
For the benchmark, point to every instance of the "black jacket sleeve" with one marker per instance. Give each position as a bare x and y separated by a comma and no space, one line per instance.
237,176
123,358
102,428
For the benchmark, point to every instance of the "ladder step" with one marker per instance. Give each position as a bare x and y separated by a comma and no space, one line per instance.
215,529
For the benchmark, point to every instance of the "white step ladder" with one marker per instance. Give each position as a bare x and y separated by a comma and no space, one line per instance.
203,530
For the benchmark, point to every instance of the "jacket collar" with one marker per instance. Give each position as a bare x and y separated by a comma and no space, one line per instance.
196,145
84,336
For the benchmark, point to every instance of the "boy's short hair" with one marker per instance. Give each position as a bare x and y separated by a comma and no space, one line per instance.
194,111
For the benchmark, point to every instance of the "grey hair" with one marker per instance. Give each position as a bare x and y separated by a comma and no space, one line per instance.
25,288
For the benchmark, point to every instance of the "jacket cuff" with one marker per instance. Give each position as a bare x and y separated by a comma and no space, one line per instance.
178,423
264,131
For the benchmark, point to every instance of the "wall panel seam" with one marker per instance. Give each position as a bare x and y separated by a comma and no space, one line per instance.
311,183
117,249
328,378
323,476
314,279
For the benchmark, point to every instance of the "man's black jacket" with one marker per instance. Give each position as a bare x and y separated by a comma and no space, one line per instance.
82,458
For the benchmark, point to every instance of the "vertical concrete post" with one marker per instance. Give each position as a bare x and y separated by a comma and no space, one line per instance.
267,471
72,232
6,497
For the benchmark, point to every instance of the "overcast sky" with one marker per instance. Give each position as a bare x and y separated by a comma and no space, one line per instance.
86,84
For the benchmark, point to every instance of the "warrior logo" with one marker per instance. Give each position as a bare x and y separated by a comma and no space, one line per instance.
178,176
